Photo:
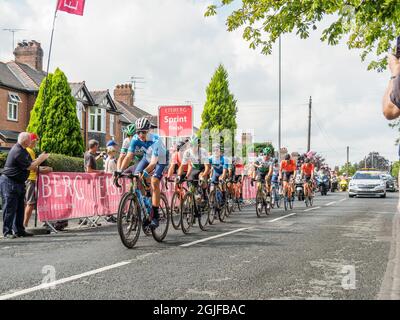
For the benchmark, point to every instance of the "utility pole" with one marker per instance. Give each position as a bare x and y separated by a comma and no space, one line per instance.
280,97
309,125
348,160
13,31
135,80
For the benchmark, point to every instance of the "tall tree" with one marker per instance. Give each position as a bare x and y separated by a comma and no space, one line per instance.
375,161
220,108
369,25
60,133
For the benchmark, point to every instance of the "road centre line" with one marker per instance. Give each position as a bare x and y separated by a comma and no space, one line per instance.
215,237
342,200
331,203
311,209
281,218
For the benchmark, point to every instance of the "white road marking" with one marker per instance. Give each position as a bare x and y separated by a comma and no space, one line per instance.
281,218
342,200
214,237
331,203
312,209
64,280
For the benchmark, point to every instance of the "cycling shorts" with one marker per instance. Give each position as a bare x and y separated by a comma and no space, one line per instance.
286,175
158,171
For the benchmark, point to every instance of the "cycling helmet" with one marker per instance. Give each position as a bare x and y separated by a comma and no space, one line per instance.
267,151
194,141
288,157
143,124
181,145
307,160
130,130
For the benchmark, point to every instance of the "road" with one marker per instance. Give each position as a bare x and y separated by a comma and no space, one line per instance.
313,254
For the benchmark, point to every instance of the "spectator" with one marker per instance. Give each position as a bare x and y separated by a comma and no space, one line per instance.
12,186
30,184
110,165
91,157
391,99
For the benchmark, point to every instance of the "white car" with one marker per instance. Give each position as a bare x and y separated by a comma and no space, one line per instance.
367,183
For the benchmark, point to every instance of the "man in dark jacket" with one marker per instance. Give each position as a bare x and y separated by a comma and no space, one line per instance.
12,186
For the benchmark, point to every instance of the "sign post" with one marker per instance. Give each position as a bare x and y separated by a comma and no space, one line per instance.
175,121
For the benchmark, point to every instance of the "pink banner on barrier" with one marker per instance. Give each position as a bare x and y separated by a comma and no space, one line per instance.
64,196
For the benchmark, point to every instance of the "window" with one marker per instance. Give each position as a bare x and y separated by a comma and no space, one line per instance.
79,110
97,120
123,128
12,113
13,97
112,125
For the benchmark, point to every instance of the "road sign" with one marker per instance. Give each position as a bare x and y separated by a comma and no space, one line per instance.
175,121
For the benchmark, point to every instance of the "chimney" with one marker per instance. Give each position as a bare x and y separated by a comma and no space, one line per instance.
30,53
125,94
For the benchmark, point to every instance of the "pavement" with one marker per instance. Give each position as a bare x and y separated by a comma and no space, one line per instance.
340,249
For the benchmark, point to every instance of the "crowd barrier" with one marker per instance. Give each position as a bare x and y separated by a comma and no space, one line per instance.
67,196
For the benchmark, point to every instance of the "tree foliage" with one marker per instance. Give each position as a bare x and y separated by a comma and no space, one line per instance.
58,125
368,25
349,169
375,161
220,108
259,147
395,169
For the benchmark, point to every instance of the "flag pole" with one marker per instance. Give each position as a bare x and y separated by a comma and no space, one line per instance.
47,78
40,131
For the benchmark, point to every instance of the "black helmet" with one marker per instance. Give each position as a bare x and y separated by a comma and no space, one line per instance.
307,160
288,157
143,124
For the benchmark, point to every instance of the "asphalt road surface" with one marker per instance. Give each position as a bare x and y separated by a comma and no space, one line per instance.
339,249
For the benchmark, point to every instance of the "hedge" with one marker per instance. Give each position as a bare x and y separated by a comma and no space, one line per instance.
60,163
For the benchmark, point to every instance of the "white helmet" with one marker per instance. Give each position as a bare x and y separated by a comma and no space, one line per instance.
143,124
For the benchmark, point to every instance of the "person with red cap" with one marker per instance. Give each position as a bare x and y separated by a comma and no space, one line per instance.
30,184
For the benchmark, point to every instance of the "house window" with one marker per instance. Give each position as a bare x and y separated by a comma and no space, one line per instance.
112,125
12,109
123,128
79,110
97,120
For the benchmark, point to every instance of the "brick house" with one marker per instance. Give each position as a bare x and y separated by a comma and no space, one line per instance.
101,117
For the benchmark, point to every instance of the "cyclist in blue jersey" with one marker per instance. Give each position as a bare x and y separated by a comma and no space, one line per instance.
219,164
154,161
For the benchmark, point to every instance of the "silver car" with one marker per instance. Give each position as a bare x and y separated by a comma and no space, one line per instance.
367,183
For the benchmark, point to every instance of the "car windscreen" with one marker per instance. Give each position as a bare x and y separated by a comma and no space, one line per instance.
366,176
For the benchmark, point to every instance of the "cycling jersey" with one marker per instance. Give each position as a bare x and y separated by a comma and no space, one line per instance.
197,160
275,174
264,169
152,147
288,167
125,145
308,169
176,160
219,165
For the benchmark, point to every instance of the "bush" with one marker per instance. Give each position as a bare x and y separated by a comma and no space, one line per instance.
3,158
61,163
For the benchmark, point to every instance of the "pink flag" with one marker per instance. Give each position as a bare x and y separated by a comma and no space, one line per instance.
72,6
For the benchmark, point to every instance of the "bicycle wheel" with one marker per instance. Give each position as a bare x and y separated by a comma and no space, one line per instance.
291,203
176,205
259,203
213,209
161,232
267,205
204,211
187,213
129,220
229,204
221,206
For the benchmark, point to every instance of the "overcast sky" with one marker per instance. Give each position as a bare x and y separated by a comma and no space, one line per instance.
176,50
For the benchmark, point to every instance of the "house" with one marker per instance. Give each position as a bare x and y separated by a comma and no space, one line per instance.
101,117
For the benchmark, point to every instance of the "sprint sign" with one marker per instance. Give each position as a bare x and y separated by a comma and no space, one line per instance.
175,121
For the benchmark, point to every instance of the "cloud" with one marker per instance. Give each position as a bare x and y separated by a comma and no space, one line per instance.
176,50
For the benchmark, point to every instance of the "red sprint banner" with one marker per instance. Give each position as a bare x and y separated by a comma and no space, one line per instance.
64,196
71,6
175,121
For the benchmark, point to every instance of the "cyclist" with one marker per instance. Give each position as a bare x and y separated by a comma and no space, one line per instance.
264,166
287,170
176,160
154,160
219,165
130,132
235,176
307,172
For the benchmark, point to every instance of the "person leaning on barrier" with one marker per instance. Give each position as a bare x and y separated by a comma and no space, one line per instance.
30,184
12,186
91,157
